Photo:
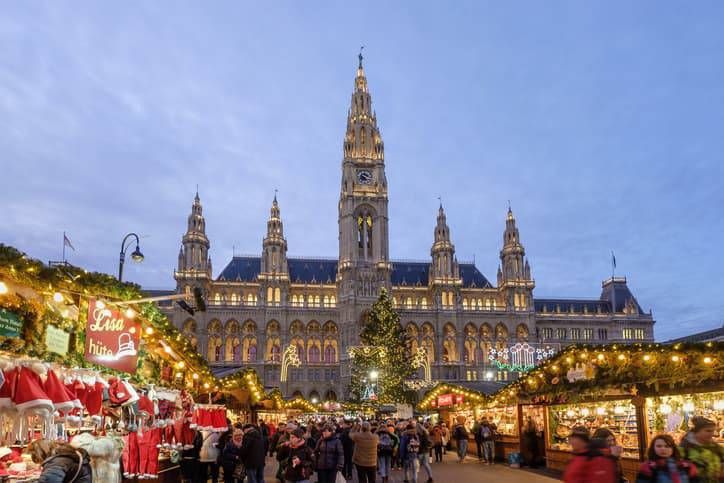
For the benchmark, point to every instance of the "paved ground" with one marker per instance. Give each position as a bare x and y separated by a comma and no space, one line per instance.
451,471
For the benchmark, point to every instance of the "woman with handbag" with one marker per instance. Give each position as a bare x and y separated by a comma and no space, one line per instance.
234,471
61,462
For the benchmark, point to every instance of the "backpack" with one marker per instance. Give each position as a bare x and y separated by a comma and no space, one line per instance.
384,446
485,432
461,432
413,445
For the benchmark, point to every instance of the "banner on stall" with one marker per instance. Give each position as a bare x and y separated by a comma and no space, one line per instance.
111,338
56,340
10,324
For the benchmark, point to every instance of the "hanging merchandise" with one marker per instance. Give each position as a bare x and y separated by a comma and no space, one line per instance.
209,417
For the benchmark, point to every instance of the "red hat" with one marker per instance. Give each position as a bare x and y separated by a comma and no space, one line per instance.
94,400
57,393
29,391
145,407
117,391
72,395
8,388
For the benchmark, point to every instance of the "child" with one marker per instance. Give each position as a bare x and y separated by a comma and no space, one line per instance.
665,465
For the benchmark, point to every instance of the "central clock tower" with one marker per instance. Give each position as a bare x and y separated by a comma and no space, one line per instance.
364,264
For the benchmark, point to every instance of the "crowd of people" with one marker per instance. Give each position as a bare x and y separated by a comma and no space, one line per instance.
334,449
696,459
331,449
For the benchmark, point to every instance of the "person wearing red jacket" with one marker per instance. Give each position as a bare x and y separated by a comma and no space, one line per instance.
589,463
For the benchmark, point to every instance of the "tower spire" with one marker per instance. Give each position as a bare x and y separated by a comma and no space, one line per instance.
194,263
274,259
444,264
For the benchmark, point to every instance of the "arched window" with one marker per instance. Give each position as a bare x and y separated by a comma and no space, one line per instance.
217,349
333,301
314,353
369,236
217,298
444,299
330,396
408,303
251,357
277,295
276,352
423,303
330,354
300,351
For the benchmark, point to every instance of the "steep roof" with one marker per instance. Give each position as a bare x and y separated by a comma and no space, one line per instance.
324,270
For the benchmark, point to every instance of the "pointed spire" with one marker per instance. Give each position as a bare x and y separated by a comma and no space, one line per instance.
362,139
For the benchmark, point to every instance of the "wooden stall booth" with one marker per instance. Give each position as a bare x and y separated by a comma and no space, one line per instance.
634,391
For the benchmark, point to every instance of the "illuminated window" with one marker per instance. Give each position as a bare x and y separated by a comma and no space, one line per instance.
561,333
408,302
547,332
333,301
423,303
639,333
587,334
628,333
465,304
217,299
277,295
575,334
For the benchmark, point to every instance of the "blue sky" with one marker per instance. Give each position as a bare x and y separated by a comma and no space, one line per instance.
600,121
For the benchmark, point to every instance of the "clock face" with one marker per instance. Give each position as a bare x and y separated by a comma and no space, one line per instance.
364,177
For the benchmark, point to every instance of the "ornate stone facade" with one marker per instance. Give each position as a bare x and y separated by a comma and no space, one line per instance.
259,306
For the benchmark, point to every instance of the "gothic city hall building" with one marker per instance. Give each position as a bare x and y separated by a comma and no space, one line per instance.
259,306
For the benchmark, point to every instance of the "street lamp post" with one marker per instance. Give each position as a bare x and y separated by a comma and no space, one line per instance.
137,256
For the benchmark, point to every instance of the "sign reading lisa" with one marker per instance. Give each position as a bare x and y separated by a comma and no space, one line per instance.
111,340
10,324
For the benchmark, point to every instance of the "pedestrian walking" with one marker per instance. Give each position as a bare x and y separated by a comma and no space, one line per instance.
437,442
699,447
488,432
409,453
329,456
348,447
460,434
365,452
385,449
253,453
589,462
665,464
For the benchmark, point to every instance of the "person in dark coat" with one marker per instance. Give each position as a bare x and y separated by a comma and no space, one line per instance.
231,456
329,456
281,431
253,453
264,430
348,447
61,462
298,456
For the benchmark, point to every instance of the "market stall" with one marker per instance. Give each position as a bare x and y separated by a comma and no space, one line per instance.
84,360
635,391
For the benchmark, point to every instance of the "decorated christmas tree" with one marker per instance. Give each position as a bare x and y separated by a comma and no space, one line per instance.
382,362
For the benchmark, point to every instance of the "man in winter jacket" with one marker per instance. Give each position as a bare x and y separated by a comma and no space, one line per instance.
253,453
365,452
329,456
460,434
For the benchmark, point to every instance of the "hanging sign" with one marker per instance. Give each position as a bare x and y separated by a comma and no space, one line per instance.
459,398
56,340
581,372
111,339
10,324
444,400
